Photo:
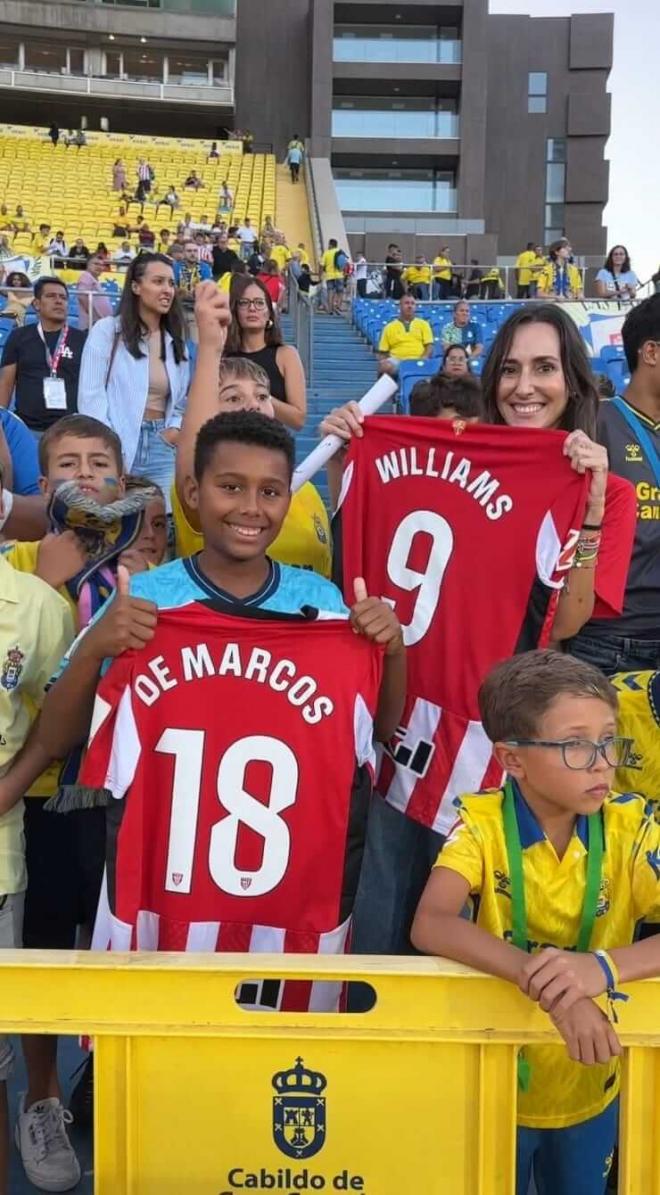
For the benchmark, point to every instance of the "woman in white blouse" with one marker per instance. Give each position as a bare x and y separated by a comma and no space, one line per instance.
134,374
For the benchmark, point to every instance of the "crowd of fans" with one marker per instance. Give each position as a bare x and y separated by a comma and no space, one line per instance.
117,407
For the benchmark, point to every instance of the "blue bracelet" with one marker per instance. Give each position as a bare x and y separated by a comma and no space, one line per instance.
606,969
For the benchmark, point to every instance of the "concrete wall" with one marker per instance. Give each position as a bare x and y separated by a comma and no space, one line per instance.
471,175
273,69
576,54
42,15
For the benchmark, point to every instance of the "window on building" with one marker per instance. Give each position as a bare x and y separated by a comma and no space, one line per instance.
188,67
537,92
555,188
373,116
373,190
45,56
394,43
133,3
8,51
144,65
76,60
113,67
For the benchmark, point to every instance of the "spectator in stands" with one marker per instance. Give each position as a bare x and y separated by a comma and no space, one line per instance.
118,175
164,240
255,263
22,222
193,182
247,236
226,199
124,255
6,222
135,370
271,279
560,279
238,269
448,398
442,268
103,251
187,275
628,639
122,227
152,540
537,375
492,285
332,272
255,335
5,248
80,138
145,176
232,238
40,241
54,134
280,253
617,280
305,279
455,361
90,291
146,238
19,297
170,199
213,152
463,330
185,228
42,361
418,278
247,139
393,272
268,229
406,338
473,283
529,267
78,254
58,248
222,256
176,251
204,247
294,157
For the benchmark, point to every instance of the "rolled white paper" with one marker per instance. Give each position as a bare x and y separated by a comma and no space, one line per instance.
370,402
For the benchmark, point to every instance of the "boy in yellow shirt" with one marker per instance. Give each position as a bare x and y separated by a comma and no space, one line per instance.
36,629
442,267
418,278
562,868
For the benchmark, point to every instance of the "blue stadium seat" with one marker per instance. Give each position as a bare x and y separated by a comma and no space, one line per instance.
411,372
612,352
7,325
619,374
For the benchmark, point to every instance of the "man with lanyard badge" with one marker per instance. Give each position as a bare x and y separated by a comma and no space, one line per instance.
42,361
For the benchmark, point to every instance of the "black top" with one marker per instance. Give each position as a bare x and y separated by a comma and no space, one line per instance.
222,260
25,350
266,358
304,282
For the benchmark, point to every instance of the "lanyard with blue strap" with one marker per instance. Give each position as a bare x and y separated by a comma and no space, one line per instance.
637,427
519,936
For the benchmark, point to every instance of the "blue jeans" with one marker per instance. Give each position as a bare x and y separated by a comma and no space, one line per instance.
572,1161
154,459
614,653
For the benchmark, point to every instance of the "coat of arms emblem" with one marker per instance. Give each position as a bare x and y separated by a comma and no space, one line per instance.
299,1111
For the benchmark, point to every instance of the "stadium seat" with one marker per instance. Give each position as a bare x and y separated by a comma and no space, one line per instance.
411,372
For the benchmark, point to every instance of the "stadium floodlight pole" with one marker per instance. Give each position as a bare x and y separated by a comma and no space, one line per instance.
370,402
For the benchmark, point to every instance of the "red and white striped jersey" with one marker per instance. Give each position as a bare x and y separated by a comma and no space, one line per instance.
467,531
229,746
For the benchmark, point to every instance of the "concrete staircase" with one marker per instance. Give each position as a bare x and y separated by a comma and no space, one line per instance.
344,369
292,212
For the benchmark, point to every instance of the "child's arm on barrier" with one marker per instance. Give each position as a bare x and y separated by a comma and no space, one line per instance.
438,928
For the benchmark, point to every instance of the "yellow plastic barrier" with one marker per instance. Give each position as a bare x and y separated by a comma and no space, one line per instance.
195,1096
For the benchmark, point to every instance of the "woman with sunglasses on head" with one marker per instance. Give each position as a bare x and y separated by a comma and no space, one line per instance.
255,334
537,375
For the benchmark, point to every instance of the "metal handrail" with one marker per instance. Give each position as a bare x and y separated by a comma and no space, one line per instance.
301,309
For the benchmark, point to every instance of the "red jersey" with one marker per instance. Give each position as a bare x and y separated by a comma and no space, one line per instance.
229,747
467,531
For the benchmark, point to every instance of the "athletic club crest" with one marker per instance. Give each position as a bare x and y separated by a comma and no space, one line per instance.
299,1111
12,668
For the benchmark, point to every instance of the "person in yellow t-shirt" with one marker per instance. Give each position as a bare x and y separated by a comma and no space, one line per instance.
303,254
525,275
442,267
280,253
331,269
36,630
238,384
418,278
562,870
639,720
407,338
560,279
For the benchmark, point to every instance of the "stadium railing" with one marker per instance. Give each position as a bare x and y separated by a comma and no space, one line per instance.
418,1094
508,276
301,310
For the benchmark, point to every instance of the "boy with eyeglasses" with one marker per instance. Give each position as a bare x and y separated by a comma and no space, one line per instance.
561,868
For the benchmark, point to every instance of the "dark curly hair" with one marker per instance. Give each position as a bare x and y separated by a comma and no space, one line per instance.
242,427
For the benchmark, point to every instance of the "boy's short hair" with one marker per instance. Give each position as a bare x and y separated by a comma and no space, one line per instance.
242,427
133,481
517,693
85,427
241,367
461,394
48,280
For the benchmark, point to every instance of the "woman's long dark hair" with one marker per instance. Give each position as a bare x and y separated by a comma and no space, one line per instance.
581,410
132,328
272,334
609,264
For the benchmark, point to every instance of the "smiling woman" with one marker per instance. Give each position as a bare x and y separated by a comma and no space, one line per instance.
135,370
537,375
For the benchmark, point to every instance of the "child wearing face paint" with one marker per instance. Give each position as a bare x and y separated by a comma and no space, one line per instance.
65,854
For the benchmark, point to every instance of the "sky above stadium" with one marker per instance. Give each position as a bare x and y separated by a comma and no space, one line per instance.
632,213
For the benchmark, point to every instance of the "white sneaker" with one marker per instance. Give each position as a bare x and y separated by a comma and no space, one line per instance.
41,1138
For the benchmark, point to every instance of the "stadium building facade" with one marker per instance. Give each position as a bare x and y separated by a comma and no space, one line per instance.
433,120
